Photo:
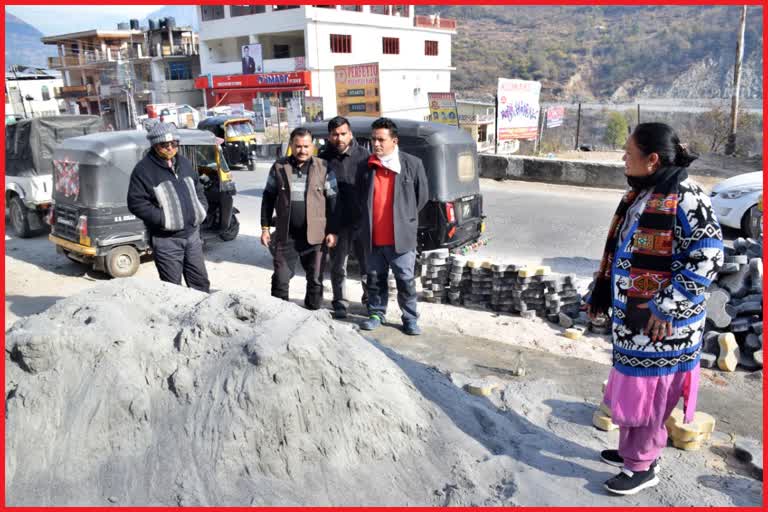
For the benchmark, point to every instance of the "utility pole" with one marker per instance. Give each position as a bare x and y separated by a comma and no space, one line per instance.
496,126
578,128
730,146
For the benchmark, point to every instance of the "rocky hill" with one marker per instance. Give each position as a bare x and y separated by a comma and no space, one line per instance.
22,44
605,52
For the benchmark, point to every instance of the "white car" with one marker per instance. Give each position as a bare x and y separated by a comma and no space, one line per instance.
734,199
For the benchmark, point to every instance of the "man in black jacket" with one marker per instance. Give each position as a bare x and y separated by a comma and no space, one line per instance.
344,155
165,192
392,188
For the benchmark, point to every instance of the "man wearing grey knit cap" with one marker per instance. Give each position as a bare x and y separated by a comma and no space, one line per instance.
165,192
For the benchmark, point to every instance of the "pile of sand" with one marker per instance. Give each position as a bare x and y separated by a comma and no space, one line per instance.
139,393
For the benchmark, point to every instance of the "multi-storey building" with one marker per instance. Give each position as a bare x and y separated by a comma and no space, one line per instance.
301,45
31,92
117,73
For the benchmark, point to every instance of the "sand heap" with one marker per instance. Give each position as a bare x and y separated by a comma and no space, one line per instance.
139,393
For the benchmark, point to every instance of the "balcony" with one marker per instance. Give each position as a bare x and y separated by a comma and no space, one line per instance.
76,91
96,56
165,50
434,22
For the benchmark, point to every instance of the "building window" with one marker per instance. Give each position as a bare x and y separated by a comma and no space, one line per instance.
281,51
284,7
400,10
379,9
430,48
178,71
356,8
211,12
325,6
341,43
390,45
246,10
45,93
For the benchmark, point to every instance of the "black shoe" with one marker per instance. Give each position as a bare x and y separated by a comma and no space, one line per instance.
631,482
339,314
613,458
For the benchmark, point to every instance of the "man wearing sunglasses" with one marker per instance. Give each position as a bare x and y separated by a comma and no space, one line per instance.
165,192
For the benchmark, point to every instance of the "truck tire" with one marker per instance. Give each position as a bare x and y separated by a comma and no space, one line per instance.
19,219
234,229
122,261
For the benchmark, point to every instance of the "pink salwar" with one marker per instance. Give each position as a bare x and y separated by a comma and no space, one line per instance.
641,405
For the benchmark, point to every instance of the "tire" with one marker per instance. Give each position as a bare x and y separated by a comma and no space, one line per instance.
746,224
231,233
122,261
19,219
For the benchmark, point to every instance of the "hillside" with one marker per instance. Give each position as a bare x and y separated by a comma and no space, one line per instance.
604,52
22,44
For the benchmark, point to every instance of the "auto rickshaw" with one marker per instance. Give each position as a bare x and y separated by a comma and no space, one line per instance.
239,137
453,217
90,221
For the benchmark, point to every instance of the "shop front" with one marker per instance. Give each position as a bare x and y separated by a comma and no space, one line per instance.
277,88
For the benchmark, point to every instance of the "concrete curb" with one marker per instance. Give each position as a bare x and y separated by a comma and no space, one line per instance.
547,170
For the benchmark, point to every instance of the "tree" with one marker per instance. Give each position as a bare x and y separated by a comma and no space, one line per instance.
616,130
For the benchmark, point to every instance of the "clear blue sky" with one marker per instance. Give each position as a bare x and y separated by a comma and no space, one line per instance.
61,19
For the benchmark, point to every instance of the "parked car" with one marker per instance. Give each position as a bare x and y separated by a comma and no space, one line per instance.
453,217
735,199
756,218
29,147
181,116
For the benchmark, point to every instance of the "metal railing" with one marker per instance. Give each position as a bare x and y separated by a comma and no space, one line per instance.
423,21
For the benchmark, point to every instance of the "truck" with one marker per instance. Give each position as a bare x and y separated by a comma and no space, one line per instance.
29,146
181,116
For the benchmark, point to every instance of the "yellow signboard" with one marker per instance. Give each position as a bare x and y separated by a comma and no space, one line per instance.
442,108
357,90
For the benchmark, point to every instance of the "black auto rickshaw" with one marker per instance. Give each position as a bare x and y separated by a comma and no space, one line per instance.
453,217
90,221
239,137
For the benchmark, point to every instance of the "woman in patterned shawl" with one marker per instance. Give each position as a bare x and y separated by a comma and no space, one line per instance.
664,249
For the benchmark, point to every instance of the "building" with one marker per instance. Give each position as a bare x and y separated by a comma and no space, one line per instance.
301,44
31,92
479,119
117,73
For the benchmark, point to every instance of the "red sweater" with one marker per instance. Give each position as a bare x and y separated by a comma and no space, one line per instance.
382,221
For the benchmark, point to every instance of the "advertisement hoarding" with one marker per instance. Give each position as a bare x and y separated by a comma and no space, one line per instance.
518,113
357,90
442,108
251,59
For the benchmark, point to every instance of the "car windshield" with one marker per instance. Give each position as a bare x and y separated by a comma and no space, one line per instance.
239,129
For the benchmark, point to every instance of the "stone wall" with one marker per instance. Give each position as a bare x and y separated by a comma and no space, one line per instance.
566,172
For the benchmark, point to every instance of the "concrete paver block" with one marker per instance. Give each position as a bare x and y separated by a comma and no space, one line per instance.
603,422
729,352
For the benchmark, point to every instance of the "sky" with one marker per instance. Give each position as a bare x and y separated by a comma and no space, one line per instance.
59,19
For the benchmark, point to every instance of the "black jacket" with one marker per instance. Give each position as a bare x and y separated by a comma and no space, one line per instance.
411,195
171,204
344,166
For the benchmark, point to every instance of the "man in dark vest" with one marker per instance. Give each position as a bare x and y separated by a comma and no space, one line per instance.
344,156
302,192
165,192
392,189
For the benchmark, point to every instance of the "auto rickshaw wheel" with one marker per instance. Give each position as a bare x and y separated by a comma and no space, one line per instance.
122,261
233,230
19,219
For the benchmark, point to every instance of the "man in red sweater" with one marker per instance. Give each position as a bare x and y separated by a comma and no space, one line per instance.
392,188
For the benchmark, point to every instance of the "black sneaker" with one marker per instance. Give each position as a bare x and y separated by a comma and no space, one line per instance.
339,313
613,458
631,482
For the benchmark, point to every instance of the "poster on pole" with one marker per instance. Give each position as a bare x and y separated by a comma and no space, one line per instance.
294,113
518,114
357,90
252,61
442,108
259,121
313,108
555,116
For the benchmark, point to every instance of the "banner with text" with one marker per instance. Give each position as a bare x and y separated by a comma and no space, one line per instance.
442,108
357,90
555,116
313,108
518,114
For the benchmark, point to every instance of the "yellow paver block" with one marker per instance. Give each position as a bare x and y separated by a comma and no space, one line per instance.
573,333
729,352
542,271
603,422
700,429
526,272
687,445
484,389
486,264
474,263
605,410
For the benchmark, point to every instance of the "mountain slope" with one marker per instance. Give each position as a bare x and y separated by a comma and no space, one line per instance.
583,52
22,44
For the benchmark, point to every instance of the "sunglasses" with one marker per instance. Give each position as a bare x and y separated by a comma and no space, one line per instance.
170,144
